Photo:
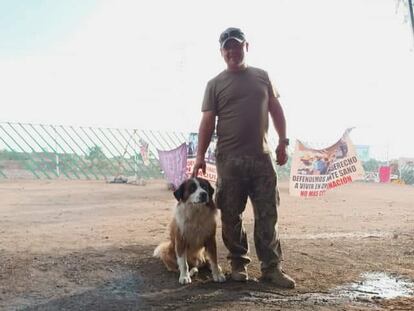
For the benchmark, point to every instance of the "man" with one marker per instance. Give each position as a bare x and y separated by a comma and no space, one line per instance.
241,97
319,166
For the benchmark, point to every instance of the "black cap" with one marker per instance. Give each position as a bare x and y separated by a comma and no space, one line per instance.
231,33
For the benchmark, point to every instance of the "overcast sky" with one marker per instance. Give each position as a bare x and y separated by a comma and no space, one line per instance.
145,64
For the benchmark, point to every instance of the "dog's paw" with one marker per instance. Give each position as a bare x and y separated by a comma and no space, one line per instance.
193,271
184,279
219,277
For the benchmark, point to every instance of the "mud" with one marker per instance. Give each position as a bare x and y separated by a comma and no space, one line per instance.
82,245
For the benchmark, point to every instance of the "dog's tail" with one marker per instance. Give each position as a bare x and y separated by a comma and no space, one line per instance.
160,250
165,251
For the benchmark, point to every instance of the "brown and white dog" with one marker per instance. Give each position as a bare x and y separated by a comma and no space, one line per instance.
192,242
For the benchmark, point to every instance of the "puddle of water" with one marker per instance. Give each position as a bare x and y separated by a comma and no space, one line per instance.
373,285
378,285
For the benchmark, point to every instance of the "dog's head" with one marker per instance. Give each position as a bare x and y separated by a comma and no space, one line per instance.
195,190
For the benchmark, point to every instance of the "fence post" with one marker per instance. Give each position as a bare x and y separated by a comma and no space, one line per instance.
56,153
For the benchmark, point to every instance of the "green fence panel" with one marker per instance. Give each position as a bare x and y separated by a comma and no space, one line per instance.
29,157
70,152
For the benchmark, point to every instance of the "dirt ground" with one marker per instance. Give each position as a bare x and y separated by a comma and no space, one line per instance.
87,245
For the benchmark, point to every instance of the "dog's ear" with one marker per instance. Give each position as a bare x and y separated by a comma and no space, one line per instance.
210,190
179,193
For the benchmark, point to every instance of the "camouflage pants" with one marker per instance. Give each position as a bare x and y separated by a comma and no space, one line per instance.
251,177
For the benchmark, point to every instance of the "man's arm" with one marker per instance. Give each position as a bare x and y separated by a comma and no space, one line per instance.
205,132
279,122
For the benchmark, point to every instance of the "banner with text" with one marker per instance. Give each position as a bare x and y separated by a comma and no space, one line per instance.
314,171
174,164
211,171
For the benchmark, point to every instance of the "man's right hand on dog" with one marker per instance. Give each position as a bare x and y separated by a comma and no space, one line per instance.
200,163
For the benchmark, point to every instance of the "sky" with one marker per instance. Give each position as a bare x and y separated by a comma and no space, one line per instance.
145,64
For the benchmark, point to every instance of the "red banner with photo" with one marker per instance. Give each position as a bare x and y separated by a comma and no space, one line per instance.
211,171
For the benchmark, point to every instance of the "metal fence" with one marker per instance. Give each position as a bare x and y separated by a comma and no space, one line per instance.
67,152
55,151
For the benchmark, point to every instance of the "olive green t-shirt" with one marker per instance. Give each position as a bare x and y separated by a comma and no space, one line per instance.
240,101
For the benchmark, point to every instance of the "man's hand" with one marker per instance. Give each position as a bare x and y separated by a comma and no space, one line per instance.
200,163
281,154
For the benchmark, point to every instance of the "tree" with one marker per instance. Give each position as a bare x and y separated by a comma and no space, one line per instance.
371,165
95,153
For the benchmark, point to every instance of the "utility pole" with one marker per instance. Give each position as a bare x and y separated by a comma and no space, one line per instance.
410,8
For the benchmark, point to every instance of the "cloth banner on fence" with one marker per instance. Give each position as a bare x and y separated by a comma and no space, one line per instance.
384,174
211,171
174,164
314,171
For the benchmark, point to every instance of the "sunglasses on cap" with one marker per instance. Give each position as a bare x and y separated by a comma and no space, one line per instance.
231,33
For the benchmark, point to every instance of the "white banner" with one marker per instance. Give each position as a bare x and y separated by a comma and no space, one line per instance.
314,171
